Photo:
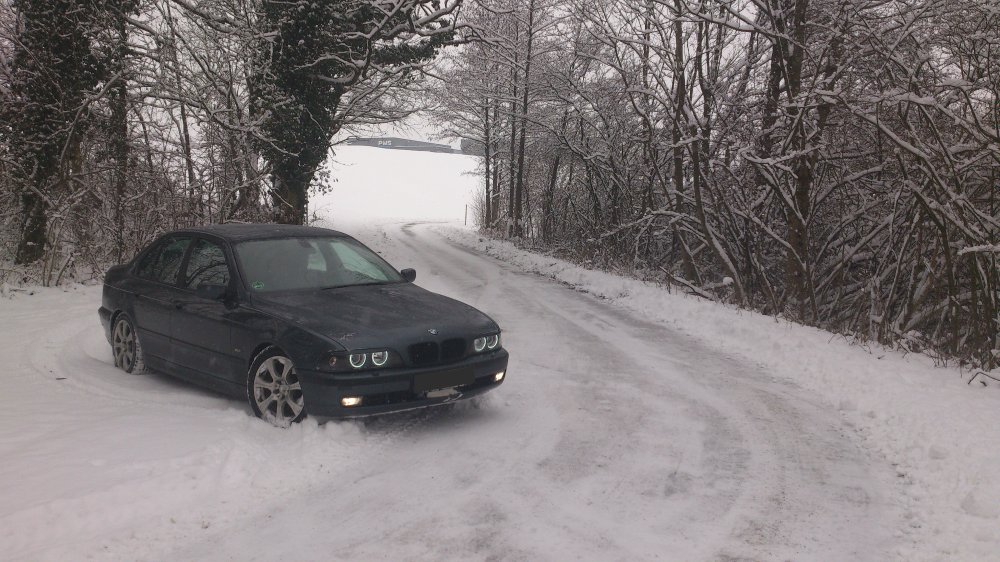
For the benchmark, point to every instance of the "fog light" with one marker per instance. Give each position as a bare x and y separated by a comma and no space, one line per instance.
349,401
499,376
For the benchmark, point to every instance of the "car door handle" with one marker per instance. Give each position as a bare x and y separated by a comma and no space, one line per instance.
178,304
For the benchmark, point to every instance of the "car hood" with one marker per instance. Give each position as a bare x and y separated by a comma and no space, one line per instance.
373,316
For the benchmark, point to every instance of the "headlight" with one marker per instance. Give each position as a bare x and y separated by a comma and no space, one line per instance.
486,343
380,358
361,359
358,360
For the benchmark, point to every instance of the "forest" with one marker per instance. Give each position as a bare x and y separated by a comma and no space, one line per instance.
832,162
835,162
122,119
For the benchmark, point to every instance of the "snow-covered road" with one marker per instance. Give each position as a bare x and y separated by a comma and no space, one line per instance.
613,438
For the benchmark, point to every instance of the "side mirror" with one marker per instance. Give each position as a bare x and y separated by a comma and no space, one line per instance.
409,275
210,291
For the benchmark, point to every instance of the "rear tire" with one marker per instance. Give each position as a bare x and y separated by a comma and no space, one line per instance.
125,346
273,389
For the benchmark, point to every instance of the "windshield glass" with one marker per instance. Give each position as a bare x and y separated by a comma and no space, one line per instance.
288,264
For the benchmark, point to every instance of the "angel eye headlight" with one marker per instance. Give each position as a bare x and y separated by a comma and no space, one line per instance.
493,341
358,360
479,344
380,358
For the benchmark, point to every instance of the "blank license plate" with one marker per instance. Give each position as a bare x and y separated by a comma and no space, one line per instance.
443,379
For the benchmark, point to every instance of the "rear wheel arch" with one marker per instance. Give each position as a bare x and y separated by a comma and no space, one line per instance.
114,318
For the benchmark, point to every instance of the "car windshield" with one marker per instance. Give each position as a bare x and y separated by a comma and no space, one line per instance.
290,264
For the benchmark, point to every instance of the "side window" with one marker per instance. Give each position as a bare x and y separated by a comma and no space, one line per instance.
207,265
145,267
165,261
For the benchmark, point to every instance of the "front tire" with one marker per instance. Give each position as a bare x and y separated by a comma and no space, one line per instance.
274,390
126,348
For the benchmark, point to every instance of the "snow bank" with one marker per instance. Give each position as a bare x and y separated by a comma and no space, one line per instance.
941,435
99,463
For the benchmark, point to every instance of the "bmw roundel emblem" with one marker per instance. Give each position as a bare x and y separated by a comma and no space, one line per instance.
433,332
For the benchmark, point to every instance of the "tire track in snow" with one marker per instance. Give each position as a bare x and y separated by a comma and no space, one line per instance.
809,461
725,460
612,438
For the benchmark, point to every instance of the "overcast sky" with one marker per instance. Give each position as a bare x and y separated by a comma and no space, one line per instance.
378,183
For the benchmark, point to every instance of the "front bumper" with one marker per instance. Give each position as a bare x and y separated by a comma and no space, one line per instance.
392,390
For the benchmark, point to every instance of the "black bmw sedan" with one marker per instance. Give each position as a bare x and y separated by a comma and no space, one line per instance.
296,319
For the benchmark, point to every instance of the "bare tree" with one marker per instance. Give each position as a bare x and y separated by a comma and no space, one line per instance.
832,161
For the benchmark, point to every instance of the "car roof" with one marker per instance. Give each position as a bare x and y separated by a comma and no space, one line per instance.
237,232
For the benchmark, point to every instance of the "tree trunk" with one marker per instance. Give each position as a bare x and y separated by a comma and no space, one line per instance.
511,172
487,155
513,136
519,189
796,273
495,204
119,136
194,200
31,246
680,100
289,195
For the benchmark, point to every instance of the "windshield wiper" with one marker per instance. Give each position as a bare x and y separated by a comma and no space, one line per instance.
358,285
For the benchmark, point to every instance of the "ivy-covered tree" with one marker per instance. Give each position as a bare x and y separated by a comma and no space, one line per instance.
315,59
53,71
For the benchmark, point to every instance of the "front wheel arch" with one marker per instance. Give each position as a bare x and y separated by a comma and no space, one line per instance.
261,349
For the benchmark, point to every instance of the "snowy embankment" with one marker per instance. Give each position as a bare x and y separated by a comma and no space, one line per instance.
941,435
100,464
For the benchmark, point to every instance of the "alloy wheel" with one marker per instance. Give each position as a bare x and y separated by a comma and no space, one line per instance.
277,391
123,345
